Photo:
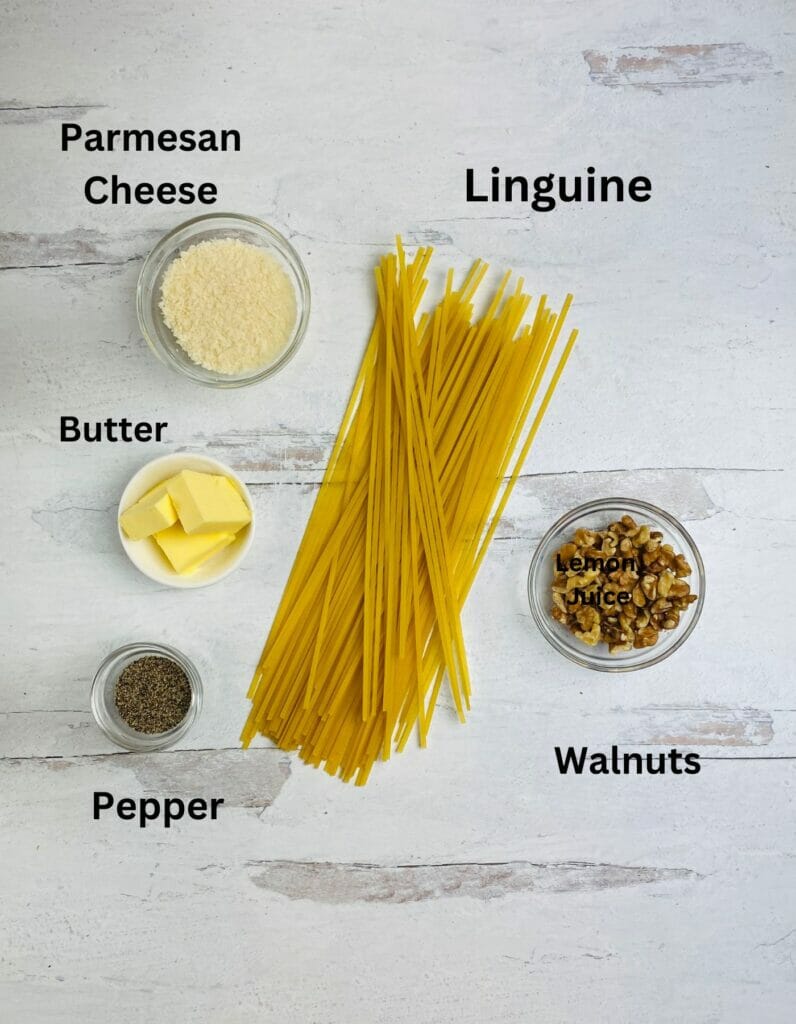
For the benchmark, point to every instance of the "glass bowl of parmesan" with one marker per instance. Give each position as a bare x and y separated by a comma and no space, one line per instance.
224,299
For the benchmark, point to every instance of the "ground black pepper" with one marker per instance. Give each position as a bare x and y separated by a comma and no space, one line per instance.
153,694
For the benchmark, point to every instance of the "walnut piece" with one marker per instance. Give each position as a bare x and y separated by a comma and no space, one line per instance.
621,586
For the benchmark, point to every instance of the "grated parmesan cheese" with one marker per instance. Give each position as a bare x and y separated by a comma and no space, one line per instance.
229,304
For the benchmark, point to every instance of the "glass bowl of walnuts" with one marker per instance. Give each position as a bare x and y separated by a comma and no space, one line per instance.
616,585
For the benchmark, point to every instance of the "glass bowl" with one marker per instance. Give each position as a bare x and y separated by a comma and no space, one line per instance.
103,703
201,229
597,515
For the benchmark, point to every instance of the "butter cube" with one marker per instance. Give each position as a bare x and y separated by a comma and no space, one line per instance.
207,503
154,512
186,553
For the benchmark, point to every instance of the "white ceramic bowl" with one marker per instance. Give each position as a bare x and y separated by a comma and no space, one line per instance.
147,557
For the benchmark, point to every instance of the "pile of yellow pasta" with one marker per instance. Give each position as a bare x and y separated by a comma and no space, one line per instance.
369,625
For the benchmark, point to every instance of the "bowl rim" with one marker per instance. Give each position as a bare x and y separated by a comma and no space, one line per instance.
185,582
144,290
542,617
123,735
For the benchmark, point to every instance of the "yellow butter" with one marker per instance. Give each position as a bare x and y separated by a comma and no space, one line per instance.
186,553
155,511
207,503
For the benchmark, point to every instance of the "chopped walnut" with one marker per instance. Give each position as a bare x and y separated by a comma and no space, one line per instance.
623,586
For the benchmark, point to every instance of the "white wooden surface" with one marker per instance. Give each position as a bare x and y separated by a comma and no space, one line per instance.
468,883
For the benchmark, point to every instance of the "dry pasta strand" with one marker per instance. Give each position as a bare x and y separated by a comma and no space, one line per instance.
432,442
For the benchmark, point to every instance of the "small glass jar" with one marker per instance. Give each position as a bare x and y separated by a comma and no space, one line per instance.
597,515
103,697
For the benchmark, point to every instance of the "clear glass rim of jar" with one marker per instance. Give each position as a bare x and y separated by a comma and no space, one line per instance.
108,719
542,615
144,298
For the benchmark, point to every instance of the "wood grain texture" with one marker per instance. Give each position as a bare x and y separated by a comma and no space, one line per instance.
20,113
471,881
253,781
413,883
687,66
76,248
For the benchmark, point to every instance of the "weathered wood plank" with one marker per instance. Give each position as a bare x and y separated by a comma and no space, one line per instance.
13,112
310,901
414,883
248,779
684,66
79,247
